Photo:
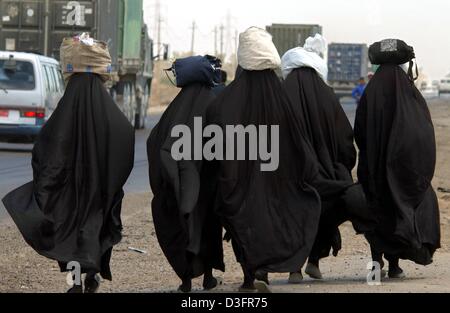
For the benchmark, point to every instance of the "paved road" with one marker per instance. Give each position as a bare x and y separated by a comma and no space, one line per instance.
15,161
15,165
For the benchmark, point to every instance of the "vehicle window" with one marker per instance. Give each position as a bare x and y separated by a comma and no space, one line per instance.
17,75
61,79
55,79
50,78
46,79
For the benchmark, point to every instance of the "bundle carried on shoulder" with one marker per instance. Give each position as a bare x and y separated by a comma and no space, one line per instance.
83,54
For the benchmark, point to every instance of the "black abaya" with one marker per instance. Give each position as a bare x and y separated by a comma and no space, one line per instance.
331,135
81,160
272,217
188,231
395,135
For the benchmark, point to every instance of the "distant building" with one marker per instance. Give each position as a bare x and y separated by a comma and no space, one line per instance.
288,36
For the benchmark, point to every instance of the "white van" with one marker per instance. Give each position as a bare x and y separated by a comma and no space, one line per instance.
444,85
31,86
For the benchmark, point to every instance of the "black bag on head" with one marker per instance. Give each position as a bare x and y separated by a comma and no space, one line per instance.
390,51
393,51
197,69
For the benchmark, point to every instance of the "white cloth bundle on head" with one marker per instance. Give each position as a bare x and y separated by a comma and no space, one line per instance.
316,44
311,55
256,50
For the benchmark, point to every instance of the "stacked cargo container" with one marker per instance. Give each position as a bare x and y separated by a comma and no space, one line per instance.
288,36
22,26
347,63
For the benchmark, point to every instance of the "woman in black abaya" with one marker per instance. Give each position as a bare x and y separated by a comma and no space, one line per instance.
188,231
395,135
331,136
271,217
83,156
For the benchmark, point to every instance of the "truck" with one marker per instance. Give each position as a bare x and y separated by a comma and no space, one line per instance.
347,63
288,36
39,26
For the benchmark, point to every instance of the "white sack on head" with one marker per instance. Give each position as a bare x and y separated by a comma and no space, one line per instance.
256,50
308,56
316,44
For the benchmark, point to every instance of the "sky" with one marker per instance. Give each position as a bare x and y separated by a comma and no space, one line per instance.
423,24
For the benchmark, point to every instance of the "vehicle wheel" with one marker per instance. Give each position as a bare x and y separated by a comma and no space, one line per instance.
126,101
142,109
133,104
147,102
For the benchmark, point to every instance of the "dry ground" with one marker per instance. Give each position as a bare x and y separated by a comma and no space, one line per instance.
22,270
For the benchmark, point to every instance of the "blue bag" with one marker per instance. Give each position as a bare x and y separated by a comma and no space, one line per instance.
197,69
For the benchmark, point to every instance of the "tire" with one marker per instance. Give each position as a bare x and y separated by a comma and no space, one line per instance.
127,101
133,105
141,115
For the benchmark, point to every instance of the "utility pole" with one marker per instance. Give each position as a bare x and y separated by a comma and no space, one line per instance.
236,40
194,27
46,26
221,41
228,45
156,82
215,40
159,34
158,21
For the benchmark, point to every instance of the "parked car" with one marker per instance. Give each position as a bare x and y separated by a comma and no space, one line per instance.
31,86
430,92
444,85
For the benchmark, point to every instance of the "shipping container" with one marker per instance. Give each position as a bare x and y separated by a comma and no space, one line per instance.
39,26
347,63
288,36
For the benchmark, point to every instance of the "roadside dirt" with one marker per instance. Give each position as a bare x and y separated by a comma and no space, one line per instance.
22,270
